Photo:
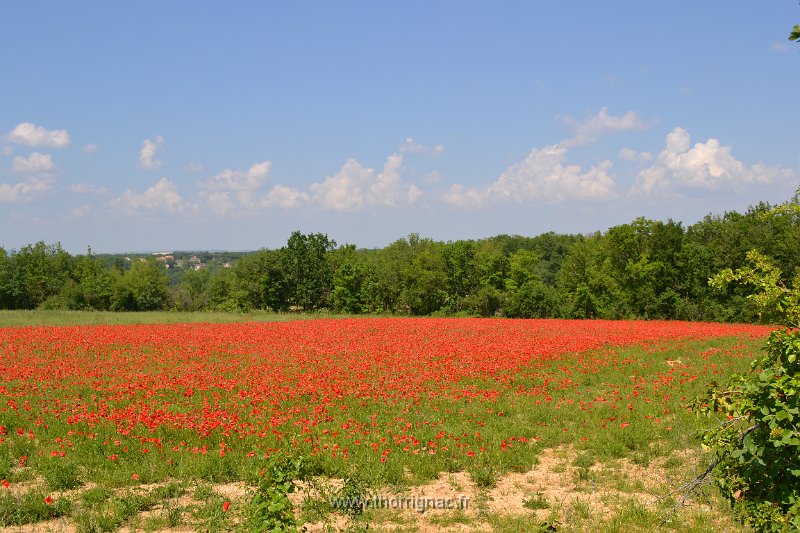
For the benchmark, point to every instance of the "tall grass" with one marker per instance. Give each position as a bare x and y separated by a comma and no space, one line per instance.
70,318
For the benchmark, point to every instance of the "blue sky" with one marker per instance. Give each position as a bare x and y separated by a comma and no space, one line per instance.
199,125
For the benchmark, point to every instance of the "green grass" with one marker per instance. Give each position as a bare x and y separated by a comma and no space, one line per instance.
536,502
30,507
71,318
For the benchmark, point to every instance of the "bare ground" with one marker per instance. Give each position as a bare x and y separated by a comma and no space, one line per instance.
555,492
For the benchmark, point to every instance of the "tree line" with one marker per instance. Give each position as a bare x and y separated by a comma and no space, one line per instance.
643,269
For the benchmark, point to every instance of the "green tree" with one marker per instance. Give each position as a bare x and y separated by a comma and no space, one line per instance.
351,281
260,276
308,270
142,288
526,295
423,278
587,285
36,273
93,284
194,285
6,300
461,273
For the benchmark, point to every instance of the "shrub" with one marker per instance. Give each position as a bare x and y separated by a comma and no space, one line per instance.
757,446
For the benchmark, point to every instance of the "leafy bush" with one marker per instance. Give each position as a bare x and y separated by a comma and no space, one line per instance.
270,508
757,446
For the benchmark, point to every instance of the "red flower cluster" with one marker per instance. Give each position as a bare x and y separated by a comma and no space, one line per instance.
282,383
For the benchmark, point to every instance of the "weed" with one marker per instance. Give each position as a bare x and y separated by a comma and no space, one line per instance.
270,508
538,501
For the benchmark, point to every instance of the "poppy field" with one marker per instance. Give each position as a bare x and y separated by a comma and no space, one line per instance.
88,412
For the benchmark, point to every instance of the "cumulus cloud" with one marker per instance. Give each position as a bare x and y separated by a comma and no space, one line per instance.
220,202
344,190
460,196
147,155
707,165
89,148
629,154
163,198
352,188
30,134
593,127
285,197
409,146
239,180
35,163
232,190
542,176
433,177
24,191
356,186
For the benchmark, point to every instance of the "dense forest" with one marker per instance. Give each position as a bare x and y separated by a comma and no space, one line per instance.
644,269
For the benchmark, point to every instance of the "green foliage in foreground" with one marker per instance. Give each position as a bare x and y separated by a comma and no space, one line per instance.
758,445
270,508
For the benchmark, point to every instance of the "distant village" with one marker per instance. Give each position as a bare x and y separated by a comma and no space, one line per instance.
192,263
176,262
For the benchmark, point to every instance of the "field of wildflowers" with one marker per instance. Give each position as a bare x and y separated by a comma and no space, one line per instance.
89,411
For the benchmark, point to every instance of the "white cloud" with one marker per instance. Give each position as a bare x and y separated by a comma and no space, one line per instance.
85,188
163,197
344,190
352,188
33,135
630,154
414,194
409,146
541,177
220,202
239,180
388,187
194,168
234,189
356,186
35,163
147,155
7,151
707,165
285,197
89,148
593,127
432,178
461,197
23,191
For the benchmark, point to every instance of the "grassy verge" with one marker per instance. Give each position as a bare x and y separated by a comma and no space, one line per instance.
72,318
